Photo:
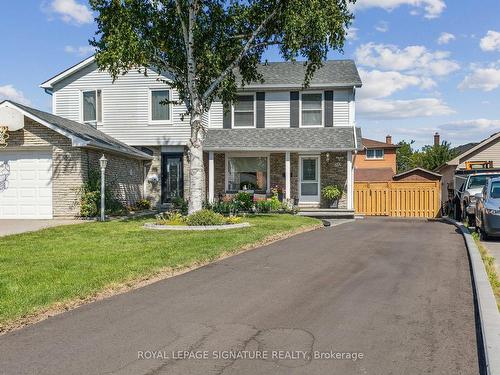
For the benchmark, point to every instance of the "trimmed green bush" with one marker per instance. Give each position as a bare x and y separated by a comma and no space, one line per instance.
205,217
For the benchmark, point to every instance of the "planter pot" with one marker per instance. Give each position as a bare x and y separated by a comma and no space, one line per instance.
280,197
334,204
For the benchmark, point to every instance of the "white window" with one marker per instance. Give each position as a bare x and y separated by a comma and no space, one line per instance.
244,111
92,106
247,172
312,109
160,110
375,154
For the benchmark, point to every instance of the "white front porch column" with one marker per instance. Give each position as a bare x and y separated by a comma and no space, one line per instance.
211,176
350,182
287,175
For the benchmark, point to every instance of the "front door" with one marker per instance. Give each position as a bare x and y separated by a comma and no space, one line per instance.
172,178
309,184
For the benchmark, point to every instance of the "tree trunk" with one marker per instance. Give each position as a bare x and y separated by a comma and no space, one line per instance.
196,167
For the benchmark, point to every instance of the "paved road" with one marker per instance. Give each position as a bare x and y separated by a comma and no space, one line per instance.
397,291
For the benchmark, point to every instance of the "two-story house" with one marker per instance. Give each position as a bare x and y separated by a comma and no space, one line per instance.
276,134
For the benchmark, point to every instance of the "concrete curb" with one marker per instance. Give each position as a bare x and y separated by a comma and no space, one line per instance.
488,310
195,228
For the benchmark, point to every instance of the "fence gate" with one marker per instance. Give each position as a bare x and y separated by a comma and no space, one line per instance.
399,198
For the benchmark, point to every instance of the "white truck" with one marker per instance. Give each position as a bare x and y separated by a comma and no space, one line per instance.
467,185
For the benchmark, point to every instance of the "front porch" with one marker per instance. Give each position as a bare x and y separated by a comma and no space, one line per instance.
300,176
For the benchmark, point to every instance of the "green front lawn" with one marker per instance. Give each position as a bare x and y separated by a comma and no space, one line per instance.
58,265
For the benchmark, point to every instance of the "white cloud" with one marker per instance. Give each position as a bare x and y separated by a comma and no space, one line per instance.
491,42
445,38
432,8
80,51
11,93
480,124
378,84
482,78
398,109
415,59
70,11
382,27
352,33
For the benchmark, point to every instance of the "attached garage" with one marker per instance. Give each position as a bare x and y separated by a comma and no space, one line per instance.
26,192
45,160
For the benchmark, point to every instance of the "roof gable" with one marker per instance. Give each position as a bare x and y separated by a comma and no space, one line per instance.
333,73
81,135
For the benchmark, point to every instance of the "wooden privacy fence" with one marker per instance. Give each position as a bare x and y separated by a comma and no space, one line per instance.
398,198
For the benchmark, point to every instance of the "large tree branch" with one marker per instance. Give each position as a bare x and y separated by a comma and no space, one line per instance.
183,24
248,46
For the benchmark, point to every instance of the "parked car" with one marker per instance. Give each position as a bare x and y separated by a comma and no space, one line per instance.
466,194
488,209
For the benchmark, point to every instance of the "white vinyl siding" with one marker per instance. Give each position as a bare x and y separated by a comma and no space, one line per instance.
341,107
125,106
216,115
277,109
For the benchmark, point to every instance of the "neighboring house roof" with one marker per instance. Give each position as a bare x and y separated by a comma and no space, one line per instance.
282,139
457,160
418,169
334,73
81,135
371,143
373,174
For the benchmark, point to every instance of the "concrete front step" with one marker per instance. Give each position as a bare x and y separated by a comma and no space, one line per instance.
327,213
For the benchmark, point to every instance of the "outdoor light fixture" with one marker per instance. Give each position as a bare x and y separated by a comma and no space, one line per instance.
103,162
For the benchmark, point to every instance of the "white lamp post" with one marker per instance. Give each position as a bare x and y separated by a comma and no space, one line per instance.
103,162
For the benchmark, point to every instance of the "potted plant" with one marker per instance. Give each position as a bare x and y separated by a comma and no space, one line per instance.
332,194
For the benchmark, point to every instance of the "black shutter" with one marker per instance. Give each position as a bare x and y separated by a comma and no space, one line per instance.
226,116
294,109
328,108
261,109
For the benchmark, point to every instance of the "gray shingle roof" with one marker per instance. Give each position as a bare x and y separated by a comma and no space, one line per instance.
87,133
334,73
283,139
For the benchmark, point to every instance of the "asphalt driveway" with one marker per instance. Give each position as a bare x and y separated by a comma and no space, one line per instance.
397,293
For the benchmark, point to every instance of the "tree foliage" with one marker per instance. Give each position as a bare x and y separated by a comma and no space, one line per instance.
207,48
206,44
430,157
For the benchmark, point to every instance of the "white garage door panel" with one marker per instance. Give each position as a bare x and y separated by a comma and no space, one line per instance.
28,193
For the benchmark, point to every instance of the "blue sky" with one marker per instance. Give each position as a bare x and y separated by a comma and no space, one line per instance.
427,65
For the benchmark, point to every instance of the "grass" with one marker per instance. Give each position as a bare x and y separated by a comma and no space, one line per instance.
68,263
489,265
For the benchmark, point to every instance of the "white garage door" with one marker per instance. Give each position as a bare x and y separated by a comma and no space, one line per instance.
25,184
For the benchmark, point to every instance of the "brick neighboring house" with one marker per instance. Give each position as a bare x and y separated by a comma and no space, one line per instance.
48,158
376,162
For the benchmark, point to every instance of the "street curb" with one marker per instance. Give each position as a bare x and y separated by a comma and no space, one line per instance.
488,310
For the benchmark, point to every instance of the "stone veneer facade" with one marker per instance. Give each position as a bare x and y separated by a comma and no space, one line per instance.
333,171
70,166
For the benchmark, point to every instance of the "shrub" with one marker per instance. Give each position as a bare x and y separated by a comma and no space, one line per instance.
180,205
275,203
170,218
143,204
205,217
223,207
90,197
331,192
244,200
263,206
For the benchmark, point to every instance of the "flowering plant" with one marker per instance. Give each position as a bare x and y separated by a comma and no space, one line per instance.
276,189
